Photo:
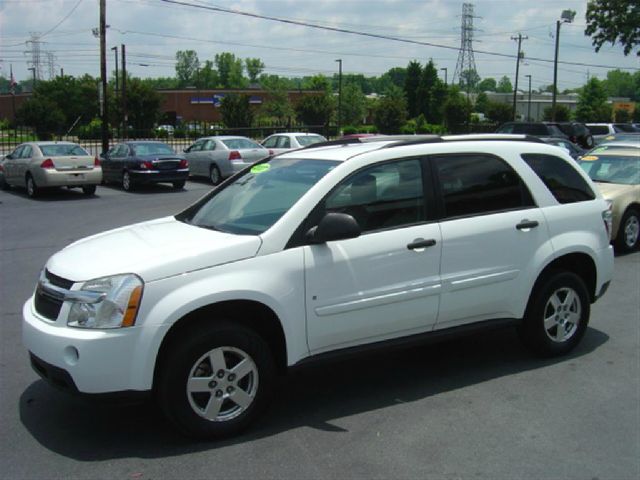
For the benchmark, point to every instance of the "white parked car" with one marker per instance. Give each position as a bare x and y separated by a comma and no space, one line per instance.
323,251
283,142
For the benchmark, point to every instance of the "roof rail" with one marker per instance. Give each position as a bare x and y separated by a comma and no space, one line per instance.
492,137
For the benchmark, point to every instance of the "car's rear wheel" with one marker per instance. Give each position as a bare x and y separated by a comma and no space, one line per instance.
214,175
127,182
628,236
32,188
215,383
3,183
557,314
89,190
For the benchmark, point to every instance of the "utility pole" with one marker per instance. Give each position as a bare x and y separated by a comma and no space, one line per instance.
515,88
339,94
529,101
123,91
103,74
33,82
445,75
115,51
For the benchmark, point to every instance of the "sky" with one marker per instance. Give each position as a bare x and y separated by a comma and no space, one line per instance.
153,30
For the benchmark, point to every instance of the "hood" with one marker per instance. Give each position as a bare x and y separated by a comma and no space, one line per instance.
612,190
153,250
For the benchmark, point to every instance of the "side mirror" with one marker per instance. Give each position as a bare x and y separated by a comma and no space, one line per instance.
334,226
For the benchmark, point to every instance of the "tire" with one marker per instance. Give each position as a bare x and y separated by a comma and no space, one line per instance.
213,353
214,175
589,143
628,236
32,189
179,185
127,182
557,315
89,190
3,183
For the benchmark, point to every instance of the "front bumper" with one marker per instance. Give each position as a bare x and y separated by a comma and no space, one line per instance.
82,360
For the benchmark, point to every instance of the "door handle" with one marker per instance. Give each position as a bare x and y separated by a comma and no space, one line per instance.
421,243
527,224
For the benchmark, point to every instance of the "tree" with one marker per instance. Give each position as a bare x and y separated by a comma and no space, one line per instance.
614,21
317,82
622,116
207,76
391,112
457,109
487,85
411,85
353,104
236,111
622,84
428,79
482,101
143,105
278,106
44,115
499,112
187,65
563,114
395,76
315,109
592,103
254,66
469,80
229,70
504,85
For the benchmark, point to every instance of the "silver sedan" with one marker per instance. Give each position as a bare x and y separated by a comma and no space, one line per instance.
220,157
38,165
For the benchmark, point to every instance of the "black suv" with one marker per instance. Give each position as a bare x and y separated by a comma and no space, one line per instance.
577,132
537,129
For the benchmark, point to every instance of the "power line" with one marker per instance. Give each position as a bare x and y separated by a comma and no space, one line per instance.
60,22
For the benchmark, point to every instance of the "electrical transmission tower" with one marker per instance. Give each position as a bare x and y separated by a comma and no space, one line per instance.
51,65
36,55
465,56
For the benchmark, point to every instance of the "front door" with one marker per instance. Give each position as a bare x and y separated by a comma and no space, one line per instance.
385,283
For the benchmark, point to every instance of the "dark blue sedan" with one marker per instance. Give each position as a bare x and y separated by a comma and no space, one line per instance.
139,162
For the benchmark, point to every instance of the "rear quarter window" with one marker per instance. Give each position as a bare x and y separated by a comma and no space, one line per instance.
562,179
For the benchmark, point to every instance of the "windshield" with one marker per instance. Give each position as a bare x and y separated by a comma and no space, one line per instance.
62,150
258,198
623,169
306,140
152,149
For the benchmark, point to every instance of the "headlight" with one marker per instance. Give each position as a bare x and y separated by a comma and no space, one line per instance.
118,308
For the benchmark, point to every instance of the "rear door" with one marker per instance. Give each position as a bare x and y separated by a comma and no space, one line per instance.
195,159
492,233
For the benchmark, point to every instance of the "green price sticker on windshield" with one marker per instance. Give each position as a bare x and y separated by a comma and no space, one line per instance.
263,167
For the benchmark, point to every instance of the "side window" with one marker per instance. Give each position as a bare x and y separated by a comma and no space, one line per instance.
209,145
284,142
383,196
17,152
270,142
478,184
564,182
508,128
196,147
26,152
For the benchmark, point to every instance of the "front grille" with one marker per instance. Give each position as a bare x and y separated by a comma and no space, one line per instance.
46,305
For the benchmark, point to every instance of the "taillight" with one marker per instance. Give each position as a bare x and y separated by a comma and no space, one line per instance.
234,155
183,164
146,165
270,152
96,161
48,164
607,218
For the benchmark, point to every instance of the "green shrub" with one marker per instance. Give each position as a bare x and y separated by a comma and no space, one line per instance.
349,130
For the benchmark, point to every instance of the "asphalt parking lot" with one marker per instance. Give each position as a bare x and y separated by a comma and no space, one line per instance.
478,407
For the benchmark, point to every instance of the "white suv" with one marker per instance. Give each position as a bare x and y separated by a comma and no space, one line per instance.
318,252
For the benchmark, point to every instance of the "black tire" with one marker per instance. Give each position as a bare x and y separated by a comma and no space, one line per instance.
89,190
557,314
127,182
191,357
179,185
32,189
214,175
628,236
3,183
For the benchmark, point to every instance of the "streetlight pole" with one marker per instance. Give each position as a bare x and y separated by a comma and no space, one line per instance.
103,74
566,17
529,100
445,75
115,51
339,95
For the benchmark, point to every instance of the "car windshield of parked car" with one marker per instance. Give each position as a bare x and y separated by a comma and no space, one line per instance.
152,149
62,150
253,202
306,140
613,167
240,143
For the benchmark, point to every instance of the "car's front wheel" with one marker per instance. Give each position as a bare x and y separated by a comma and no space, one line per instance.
628,236
217,381
557,314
